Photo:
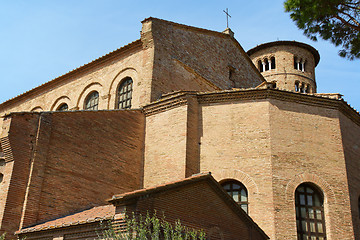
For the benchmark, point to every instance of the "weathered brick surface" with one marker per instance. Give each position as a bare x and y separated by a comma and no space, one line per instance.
165,149
271,145
284,73
184,55
306,146
18,141
205,209
235,144
70,161
350,133
104,77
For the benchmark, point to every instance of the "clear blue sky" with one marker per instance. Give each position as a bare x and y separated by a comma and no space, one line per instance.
43,39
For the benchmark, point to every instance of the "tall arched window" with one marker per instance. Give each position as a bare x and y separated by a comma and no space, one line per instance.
273,65
124,94
310,219
267,65
260,66
92,101
63,107
238,192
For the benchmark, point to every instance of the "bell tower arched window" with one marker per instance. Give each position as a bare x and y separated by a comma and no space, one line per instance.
92,101
310,219
238,192
124,94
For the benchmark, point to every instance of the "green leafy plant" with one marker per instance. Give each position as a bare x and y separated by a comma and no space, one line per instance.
150,227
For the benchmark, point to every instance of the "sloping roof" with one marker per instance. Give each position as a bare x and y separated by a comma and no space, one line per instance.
159,188
147,192
91,215
72,73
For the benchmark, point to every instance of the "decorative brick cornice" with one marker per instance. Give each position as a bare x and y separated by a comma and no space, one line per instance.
228,96
166,104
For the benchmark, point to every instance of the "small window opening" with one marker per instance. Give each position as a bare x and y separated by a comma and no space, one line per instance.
295,63
272,63
124,94
273,84
302,88
297,88
1,177
238,192
92,101
310,216
63,107
260,66
267,65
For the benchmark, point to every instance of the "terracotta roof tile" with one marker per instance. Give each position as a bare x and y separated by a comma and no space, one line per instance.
140,192
87,216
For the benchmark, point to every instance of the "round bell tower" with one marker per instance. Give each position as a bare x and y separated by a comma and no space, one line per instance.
289,65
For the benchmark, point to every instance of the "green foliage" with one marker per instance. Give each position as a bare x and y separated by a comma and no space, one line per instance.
151,227
2,237
334,20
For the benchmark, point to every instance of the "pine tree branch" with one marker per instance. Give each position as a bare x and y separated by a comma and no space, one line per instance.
347,23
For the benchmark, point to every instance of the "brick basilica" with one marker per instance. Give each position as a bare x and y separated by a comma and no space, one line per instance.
185,122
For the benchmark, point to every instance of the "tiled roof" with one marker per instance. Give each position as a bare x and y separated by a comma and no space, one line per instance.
70,74
158,188
91,215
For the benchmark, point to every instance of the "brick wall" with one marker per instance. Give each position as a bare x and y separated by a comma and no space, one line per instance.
18,141
186,58
235,144
75,160
307,147
165,147
284,73
204,210
350,133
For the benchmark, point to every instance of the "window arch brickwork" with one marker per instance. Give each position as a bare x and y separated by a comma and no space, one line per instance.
63,107
124,93
238,192
310,217
92,101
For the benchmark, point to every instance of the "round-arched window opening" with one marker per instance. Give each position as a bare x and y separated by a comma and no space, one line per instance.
63,107
2,162
92,101
310,216
238,192
124,94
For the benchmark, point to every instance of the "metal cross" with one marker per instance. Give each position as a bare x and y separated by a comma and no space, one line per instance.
227,17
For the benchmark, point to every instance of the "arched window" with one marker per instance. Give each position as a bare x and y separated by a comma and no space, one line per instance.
267,65
273,84
63,107
238,192
296,63
92,101
124,94
297,87
273,65
260,66
310,219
